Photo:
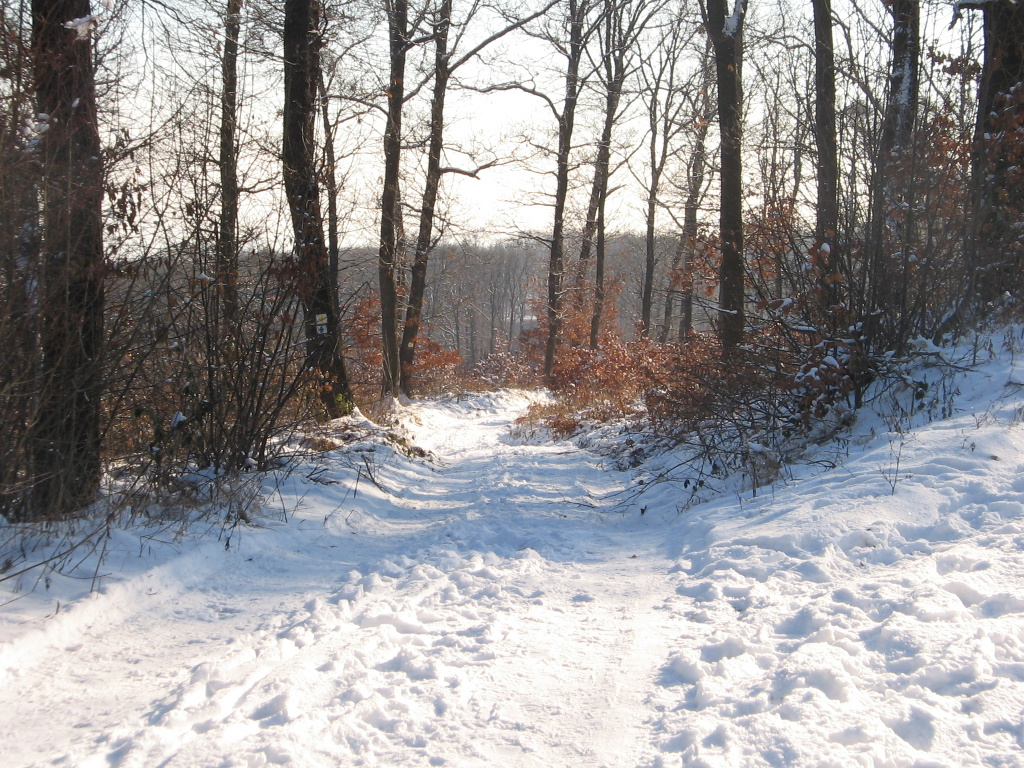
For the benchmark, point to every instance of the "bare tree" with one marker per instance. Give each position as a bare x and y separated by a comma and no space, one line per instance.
827,208
726,32
66,439
579,29
696,173
668,96
445,66
887,272
301,84
998,199
227,234
424,238
390,212
622,23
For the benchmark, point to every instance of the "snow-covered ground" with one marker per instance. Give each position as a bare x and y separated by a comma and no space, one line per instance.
501,603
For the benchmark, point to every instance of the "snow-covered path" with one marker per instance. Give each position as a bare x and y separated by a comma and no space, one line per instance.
500,604
468,611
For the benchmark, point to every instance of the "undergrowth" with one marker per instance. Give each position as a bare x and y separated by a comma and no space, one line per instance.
709,426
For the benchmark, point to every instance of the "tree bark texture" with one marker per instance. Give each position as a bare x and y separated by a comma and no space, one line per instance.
227,234
886,270
390,212
301,81
998,154
425,233
599,293
577,10
19,272
827,218
686,249
615,74
727,39
66,438
330,166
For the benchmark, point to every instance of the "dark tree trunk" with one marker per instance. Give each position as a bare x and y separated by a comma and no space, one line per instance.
884,268
650,256
19,273
662,122
390,212
590,224
424,237
682,261
622,22
616,73
596,318
227,235
566,123
444,66
330,163
662,125
996,251
727,39
688,239
66,438
301,81
827,219
685,251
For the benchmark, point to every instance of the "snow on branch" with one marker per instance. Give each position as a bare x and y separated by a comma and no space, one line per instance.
973,5
734,22
84,26
473,174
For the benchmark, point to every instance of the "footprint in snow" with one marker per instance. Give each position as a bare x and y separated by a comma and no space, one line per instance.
582,597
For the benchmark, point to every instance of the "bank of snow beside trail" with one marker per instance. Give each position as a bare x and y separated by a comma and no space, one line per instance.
869,615
501,603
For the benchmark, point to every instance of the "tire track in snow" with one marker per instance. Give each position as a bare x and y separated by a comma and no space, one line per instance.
577,670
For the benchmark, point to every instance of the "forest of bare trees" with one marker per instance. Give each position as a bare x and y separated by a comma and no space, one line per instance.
222,221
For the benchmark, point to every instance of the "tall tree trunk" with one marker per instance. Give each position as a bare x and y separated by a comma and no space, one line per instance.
589,232
390,212
301,81
686,249
688,238
727,38
599,192
566,122
444,66
66,439
650,256
883,278
330,179
998,193
682,261
19,256
663,123
227,234
599,294
827,219
622,22
615,73
424,237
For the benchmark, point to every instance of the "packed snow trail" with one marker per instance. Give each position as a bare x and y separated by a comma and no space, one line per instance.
503,604
472,610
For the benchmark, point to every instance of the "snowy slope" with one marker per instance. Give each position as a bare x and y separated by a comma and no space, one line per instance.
498,604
